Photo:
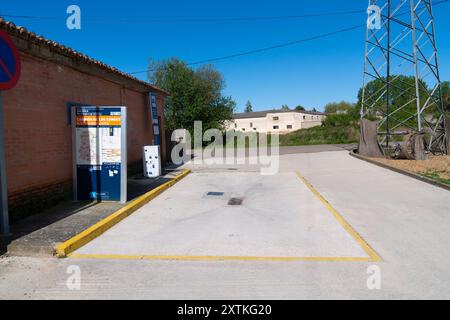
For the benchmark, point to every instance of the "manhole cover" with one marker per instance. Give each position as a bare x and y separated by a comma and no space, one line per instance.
235,202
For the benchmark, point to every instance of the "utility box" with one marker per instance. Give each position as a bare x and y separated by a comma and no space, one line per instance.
152,161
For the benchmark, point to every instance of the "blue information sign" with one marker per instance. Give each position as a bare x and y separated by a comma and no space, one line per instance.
155,119
100,163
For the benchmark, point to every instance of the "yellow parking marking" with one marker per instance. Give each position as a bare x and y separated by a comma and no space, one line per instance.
216,258
80,240
374,257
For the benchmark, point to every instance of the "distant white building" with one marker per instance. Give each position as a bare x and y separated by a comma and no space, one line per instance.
276,121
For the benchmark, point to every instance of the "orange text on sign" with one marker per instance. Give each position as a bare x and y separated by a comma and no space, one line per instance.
101,121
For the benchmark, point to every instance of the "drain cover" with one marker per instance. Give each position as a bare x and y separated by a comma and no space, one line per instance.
215,194
235,202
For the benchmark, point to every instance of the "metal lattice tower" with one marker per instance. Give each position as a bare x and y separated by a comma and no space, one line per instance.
402,86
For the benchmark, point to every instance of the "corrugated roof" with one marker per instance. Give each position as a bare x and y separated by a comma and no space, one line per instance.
27,35
263,114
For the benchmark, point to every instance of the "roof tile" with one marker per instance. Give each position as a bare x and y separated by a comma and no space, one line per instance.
21,32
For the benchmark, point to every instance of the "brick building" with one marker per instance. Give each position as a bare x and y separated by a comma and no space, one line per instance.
38,136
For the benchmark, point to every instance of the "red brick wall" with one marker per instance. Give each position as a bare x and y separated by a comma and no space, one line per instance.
38,139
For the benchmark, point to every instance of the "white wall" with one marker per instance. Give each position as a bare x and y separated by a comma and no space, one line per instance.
286,122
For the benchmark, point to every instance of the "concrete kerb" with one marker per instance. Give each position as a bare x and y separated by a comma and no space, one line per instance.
406,173
66,248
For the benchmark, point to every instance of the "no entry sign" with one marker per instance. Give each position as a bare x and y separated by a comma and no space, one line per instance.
9,62
9,75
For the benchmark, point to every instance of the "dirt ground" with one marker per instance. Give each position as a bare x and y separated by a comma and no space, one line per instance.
437,167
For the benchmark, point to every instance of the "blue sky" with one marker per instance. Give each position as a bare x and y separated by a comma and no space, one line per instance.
311,74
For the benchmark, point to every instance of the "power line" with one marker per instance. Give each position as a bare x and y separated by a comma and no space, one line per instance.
192,19
283,45
238,19
278,46
197,19
245,53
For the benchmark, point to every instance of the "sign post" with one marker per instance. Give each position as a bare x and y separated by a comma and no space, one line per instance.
100,153
4,218
9,76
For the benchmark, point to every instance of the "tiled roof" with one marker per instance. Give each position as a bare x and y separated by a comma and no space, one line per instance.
23,33
263,114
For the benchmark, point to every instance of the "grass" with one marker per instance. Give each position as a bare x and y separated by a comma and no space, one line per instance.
436,168
337,129
321,135
436,176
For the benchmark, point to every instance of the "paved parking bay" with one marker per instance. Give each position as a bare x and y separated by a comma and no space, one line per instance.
407,222
202,217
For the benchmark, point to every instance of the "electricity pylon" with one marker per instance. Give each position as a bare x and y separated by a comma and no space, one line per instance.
402,85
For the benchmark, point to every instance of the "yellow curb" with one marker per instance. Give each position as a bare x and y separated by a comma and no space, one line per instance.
215,258
64,249
374,257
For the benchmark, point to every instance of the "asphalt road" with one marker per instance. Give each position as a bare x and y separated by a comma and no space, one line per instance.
405,221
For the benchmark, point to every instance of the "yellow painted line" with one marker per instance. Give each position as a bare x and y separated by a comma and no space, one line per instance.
216,258
374,257
64,249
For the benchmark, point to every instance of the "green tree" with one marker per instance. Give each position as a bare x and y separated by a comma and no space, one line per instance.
300,108
195,95
402,99
335,107
285,107
446,94
248,107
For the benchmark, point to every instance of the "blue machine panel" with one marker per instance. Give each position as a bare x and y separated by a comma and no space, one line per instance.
155,119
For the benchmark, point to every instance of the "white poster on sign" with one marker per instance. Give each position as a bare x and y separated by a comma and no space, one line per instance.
111,145
88,146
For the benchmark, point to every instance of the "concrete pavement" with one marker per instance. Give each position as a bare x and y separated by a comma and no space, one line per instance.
406,221
278,218
38,235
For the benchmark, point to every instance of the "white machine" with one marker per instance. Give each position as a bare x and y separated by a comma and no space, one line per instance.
152,161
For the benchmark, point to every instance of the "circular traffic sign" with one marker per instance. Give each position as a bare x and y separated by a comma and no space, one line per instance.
9,62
